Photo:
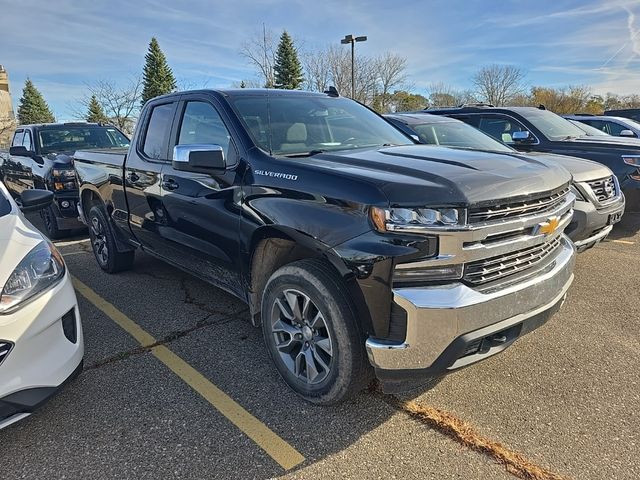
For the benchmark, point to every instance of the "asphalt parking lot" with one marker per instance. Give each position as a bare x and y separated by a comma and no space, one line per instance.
205,402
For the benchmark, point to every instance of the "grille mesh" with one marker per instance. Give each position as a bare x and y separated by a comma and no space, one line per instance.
495,268
542,204
5,348
604,189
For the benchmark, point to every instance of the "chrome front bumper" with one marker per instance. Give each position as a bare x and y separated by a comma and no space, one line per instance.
439,316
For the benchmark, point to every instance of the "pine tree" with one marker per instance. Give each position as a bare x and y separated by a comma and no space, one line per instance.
158,78
32,107
287,68
95,113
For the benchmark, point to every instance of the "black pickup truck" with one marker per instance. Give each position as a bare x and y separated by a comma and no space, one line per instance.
40,157
353,247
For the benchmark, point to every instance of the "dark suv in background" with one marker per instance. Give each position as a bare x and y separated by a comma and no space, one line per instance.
40,157
531,129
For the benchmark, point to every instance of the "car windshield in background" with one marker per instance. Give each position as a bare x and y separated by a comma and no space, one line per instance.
459,135
305,125
589,130
68,139
553,126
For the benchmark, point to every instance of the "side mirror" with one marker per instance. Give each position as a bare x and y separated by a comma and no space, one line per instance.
522,137
627,133
200,158
33,200
20,151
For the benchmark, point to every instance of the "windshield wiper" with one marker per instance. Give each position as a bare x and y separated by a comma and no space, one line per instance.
304,154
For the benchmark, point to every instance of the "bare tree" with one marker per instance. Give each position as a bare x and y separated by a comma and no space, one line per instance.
445,95
7,126
498,84
120,104
317,70
260,51
391,72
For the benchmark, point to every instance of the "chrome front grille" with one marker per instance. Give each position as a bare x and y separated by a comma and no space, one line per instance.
545,203
495,268
604,189
5,348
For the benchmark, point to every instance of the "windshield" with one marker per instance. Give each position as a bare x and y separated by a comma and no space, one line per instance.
71,138
458,134
589,130
304,125
552,126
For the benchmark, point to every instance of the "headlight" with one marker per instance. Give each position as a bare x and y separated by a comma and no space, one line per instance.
40,270
577,193
63,174
415,219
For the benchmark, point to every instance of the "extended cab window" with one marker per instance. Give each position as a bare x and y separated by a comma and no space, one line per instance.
69,138
157,134
499,127
201,124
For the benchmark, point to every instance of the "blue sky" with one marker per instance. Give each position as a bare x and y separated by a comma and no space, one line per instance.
63,44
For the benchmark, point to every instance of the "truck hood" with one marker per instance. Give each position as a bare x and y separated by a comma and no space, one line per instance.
581,169
414,175
60,158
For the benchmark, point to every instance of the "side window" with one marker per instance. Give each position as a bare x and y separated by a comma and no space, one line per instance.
499,127
17,138
201,124
615,128
28,144
599,124
158,129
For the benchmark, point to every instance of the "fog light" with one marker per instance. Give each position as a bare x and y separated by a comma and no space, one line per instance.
65,204
69,326
429,274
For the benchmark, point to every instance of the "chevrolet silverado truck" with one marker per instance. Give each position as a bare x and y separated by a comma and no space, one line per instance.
40,157
599,199
357,250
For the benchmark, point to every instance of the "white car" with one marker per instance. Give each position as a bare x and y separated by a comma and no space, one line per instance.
41,343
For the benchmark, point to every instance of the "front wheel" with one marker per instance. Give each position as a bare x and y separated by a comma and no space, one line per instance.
48,216
103,243
312,334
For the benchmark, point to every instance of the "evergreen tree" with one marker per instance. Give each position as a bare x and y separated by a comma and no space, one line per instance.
33,108
95,113
287,68
158,78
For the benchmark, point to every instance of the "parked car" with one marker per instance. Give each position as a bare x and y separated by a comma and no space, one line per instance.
353,246
40,157
531,129
41,344
588,129
616,126
599,201
632,113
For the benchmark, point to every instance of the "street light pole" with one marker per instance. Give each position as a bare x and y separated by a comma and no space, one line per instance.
352,40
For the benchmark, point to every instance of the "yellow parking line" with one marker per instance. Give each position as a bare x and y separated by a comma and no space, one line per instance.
626,242
278,449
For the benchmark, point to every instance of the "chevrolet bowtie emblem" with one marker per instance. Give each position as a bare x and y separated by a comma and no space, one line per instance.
548,227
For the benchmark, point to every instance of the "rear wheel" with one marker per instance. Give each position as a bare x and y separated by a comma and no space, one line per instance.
103,243
48,216
311,332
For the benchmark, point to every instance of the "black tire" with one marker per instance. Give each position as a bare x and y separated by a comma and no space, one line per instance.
348,370
103,244
48,216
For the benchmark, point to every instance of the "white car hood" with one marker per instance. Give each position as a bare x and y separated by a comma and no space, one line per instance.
17,238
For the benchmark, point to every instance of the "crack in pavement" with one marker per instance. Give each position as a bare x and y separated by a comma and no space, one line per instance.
465,434
200,324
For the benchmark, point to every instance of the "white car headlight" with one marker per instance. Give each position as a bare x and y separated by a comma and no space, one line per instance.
415,219
38,271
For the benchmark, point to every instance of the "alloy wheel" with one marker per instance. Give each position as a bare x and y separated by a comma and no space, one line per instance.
99,241
301,336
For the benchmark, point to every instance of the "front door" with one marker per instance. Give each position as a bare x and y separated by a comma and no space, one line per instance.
203,210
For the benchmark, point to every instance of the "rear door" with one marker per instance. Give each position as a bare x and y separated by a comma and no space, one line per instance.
203,210
18,169
141,175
